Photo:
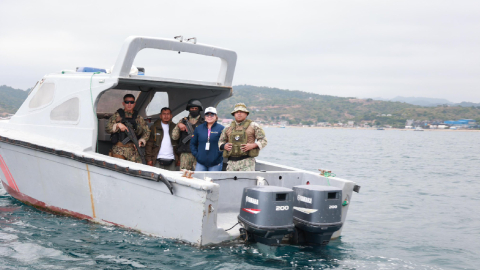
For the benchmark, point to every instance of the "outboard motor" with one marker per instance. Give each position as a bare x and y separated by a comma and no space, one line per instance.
266,214
317,214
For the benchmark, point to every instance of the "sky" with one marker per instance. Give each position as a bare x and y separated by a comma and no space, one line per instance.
361,49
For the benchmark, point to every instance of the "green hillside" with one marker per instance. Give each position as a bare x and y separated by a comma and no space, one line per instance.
297,107
11,99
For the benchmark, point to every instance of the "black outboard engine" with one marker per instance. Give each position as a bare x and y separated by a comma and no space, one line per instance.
266,214
317,214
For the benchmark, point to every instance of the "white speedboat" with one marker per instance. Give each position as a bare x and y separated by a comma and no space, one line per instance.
54,154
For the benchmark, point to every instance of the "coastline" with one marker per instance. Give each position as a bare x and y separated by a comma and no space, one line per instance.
385,129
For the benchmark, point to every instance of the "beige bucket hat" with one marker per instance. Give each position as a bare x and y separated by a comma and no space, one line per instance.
240,107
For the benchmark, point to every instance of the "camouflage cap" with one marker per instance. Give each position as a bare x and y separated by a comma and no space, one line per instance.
240,107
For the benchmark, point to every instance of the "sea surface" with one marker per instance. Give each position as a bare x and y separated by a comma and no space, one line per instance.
418,208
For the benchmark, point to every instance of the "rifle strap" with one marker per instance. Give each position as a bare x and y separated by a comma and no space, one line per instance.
189,126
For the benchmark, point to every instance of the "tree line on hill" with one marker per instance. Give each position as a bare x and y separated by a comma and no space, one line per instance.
11,99
430,102
297,107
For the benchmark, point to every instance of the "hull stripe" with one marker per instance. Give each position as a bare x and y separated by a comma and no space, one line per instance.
8,175
43,206
39,204
91,194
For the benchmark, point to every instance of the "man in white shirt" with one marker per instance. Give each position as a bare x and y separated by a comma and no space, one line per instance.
160,149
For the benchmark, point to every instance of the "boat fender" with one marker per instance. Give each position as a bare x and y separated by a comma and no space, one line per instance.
166,182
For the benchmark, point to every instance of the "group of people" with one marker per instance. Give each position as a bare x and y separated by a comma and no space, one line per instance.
195,143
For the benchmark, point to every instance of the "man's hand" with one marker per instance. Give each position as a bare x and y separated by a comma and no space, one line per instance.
228,146
182,127
141,143
248,147
150,163
122,127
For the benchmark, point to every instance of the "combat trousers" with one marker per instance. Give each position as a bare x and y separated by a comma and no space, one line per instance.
187,161
247,164
128,152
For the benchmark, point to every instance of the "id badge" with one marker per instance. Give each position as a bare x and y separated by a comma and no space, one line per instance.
207,146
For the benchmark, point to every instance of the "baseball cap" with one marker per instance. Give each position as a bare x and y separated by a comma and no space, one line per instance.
211,110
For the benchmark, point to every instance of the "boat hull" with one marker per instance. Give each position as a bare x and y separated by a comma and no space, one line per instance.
114,191
73,188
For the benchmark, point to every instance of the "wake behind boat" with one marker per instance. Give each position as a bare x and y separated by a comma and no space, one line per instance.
54,156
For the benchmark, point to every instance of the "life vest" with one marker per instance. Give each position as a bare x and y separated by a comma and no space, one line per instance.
158,133
238,135
185,147
120,136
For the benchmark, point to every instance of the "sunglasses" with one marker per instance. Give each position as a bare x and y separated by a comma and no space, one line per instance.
129,102
210,114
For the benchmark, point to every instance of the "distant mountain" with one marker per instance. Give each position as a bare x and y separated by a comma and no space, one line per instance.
467,104
422,101
380,98
428,102
269,104
296,106
11,99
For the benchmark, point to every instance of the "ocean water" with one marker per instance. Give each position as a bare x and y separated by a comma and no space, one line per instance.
418,208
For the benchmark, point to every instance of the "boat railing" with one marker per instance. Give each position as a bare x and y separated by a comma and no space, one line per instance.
134,44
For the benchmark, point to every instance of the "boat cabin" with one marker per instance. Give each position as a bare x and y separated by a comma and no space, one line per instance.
150,97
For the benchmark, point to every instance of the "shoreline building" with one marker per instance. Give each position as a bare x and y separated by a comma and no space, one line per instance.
462,123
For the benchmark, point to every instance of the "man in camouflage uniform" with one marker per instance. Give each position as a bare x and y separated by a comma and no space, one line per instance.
180,133
238,141
117,128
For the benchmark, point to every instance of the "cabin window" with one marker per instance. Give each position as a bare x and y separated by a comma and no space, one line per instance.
111,100
159,101
183,66
67,111
43,96
179,116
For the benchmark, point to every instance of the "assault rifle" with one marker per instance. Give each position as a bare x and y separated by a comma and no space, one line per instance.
132,137
189,131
